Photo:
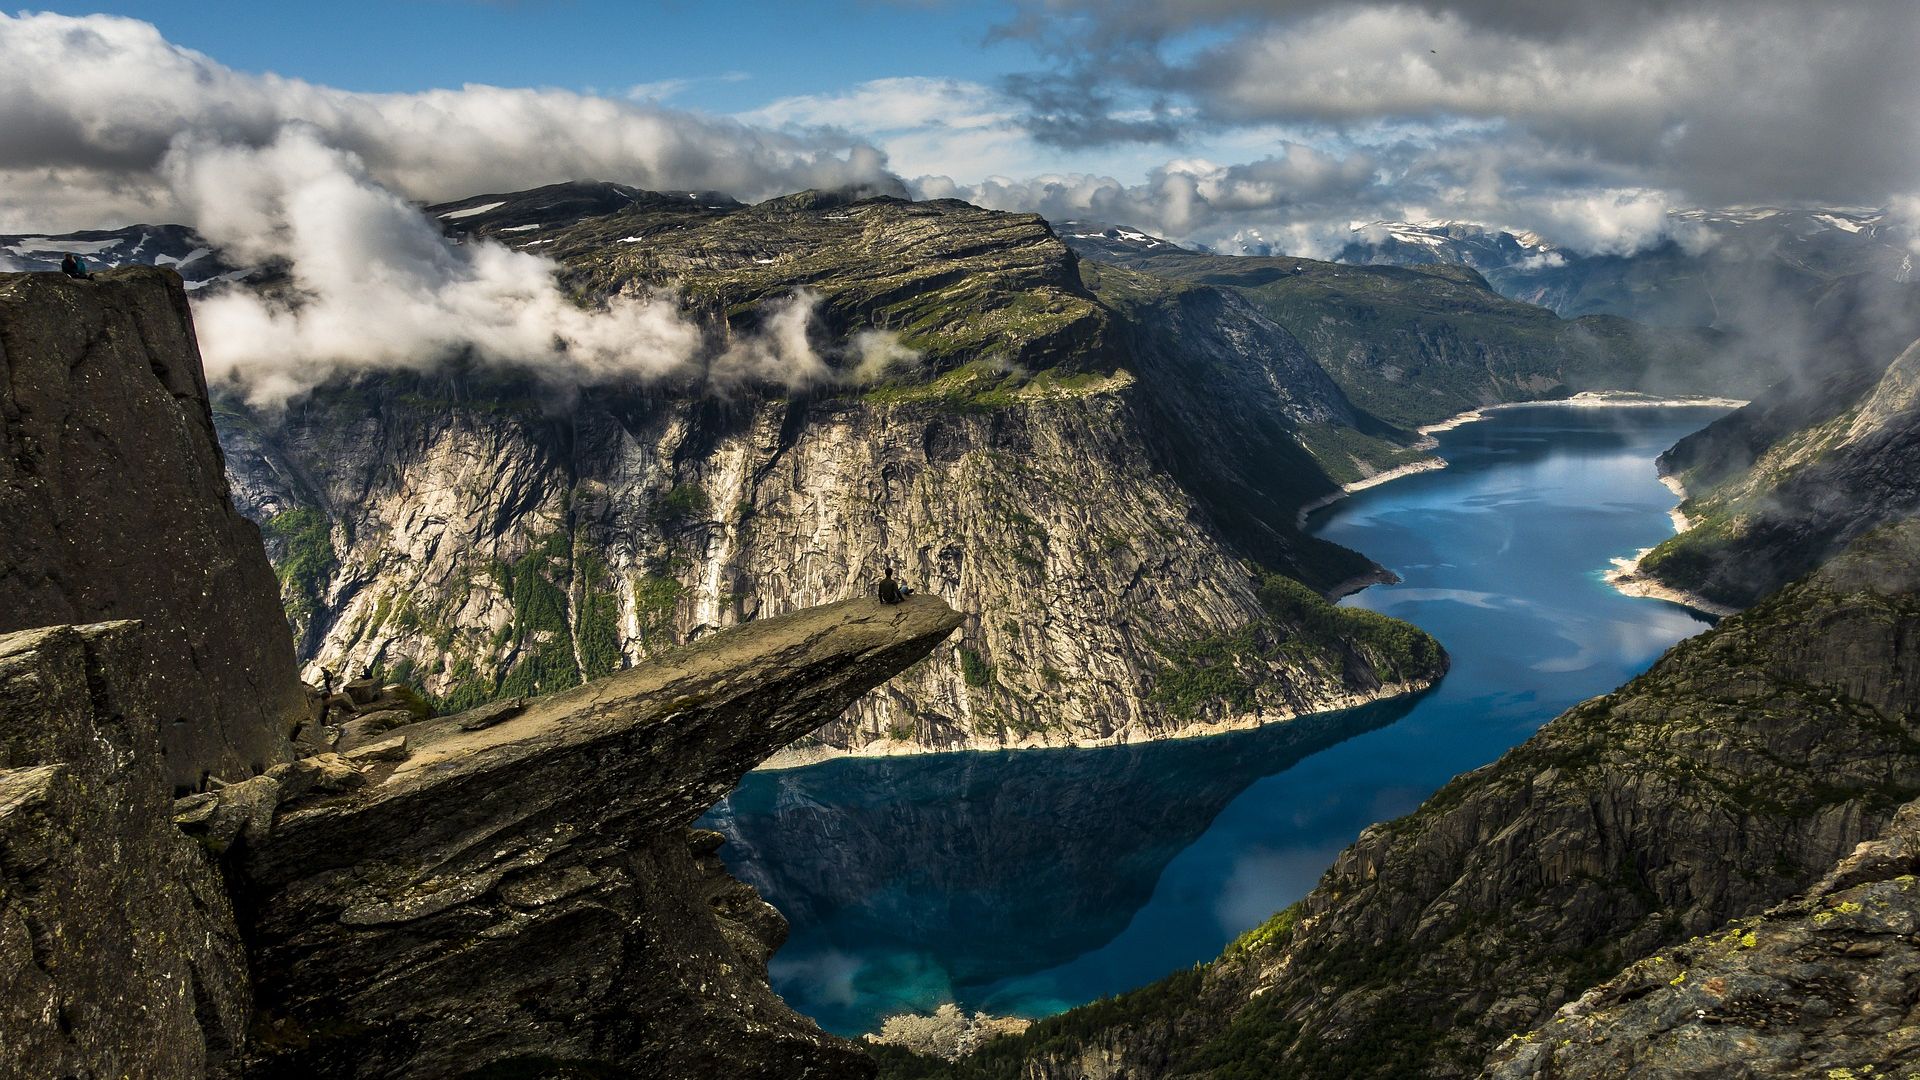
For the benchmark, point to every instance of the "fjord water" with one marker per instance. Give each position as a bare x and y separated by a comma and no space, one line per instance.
1028,882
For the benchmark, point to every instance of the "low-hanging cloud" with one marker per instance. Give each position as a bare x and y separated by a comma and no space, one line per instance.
375,286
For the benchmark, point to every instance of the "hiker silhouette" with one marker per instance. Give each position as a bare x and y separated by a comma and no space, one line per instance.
74,268
890,589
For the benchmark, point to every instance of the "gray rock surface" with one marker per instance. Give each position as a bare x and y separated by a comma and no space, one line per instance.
527,896
113,505
118,950
1820,986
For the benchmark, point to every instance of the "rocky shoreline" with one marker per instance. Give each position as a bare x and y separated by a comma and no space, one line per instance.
1587,399
1627,580
802,757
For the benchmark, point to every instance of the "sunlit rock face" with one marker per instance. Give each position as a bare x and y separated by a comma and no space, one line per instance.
1100,486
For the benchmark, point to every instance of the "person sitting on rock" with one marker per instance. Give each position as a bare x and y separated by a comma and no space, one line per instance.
890,589
74,268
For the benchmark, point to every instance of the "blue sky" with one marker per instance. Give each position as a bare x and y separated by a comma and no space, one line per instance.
781,49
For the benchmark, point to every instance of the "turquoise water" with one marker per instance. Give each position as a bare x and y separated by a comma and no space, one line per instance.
1032,881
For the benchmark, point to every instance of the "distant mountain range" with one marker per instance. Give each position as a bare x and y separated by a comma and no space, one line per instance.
1730,269
174,246
1723,268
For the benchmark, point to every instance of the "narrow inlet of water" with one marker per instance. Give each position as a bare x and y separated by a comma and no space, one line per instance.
1031,881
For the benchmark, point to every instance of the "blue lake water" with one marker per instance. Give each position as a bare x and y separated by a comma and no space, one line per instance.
1028,882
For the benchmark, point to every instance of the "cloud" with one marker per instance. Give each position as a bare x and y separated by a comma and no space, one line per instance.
1716,101
89,106
376,286
1303,200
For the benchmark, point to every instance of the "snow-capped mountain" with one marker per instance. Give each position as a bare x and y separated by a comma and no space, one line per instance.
1450,243
136,245
1114,239
1724,267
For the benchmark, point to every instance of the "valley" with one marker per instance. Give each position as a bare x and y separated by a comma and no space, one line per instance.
1065,876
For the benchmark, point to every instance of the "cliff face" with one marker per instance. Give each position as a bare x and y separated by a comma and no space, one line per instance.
1106,501
1808,493
1776,488
1729,777
1821,985
113,505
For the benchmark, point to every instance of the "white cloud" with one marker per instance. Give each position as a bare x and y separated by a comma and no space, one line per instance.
91,104
377,286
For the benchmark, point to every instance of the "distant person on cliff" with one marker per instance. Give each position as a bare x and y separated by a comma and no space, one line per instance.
890,592
74,268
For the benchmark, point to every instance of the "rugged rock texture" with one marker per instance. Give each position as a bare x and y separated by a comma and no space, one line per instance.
118,951
1822,985
466,533
113,505
1730,776
512,891
520,895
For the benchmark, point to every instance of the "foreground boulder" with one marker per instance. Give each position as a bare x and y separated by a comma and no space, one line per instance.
118,950
526,898
1822,985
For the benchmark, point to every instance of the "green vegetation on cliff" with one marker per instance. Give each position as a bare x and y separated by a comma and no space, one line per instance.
1777,487
1224,674
301,541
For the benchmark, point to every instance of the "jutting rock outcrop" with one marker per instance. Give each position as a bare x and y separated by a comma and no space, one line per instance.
113,505
1732,775
525,894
